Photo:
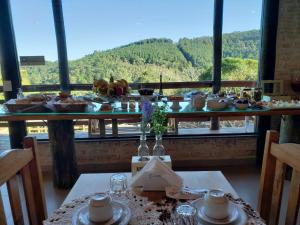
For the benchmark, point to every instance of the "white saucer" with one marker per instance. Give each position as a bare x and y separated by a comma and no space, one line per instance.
237,216
121,215
185,193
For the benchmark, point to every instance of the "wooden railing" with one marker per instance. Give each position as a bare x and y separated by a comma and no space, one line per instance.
135,86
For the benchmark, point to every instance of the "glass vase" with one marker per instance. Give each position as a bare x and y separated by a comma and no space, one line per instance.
143,149
158,149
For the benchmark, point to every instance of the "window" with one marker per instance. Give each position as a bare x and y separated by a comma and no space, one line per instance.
138,40
241,39
35,35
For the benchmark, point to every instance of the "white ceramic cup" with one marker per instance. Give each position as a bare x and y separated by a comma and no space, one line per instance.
100,208
216,205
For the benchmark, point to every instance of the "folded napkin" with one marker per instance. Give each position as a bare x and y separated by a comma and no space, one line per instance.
156,176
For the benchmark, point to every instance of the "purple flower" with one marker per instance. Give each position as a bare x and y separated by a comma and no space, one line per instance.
147,110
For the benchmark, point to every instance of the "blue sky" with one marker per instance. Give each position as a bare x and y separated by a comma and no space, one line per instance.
103,24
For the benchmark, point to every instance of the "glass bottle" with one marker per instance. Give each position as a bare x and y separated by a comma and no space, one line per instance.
20,94
143,149
158,149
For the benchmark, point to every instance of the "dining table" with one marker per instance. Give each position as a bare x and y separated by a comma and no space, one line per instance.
88,185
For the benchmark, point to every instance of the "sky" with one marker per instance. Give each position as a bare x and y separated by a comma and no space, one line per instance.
104,24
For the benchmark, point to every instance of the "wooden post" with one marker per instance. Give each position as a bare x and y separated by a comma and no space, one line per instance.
266,64
102,127
114,127
217,63
61,45
61,137
10,70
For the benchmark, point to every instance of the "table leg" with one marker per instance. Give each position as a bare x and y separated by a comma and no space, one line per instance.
114,127
61,137
215,123
102,127
17,132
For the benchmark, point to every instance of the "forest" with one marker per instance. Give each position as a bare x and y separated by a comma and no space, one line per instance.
143,61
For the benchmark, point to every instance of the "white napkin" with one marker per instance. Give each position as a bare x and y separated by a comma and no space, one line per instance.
156,176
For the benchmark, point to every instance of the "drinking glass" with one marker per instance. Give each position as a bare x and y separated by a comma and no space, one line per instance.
118,184
185,214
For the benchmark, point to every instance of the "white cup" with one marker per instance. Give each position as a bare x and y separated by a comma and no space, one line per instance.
100,208
216,205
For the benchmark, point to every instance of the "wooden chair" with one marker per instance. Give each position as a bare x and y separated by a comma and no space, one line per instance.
276,158
24,162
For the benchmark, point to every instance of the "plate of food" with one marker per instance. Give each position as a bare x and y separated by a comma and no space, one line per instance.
30,103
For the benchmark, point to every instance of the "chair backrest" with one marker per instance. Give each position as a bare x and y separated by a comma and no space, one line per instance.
276,158
24,162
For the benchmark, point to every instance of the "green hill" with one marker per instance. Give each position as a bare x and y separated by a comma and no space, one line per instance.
143,61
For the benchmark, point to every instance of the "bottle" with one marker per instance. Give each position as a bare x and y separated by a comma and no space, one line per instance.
158,149
143,149
20,93
160,85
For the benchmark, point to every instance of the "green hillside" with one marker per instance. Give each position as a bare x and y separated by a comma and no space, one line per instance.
143,61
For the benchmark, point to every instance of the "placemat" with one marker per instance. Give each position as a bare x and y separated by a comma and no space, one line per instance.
143,211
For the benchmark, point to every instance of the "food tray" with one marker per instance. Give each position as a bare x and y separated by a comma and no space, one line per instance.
69,107
36,107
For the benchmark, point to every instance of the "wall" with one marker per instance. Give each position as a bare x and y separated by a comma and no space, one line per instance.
187,153
288,42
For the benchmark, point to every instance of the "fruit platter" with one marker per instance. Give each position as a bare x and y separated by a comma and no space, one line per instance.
112,90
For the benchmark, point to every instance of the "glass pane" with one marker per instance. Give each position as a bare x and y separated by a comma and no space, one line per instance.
241,43
35,35
138,40
241,39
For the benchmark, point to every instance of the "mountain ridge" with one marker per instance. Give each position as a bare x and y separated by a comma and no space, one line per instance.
143,61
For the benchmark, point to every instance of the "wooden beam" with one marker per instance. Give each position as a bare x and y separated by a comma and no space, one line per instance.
8,51
10,69
266,63
61,137
61,45
217,55
217,41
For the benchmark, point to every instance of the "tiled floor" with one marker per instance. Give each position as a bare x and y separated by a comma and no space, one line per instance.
244,179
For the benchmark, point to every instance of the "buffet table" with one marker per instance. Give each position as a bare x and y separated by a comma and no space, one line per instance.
185,111
61,131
